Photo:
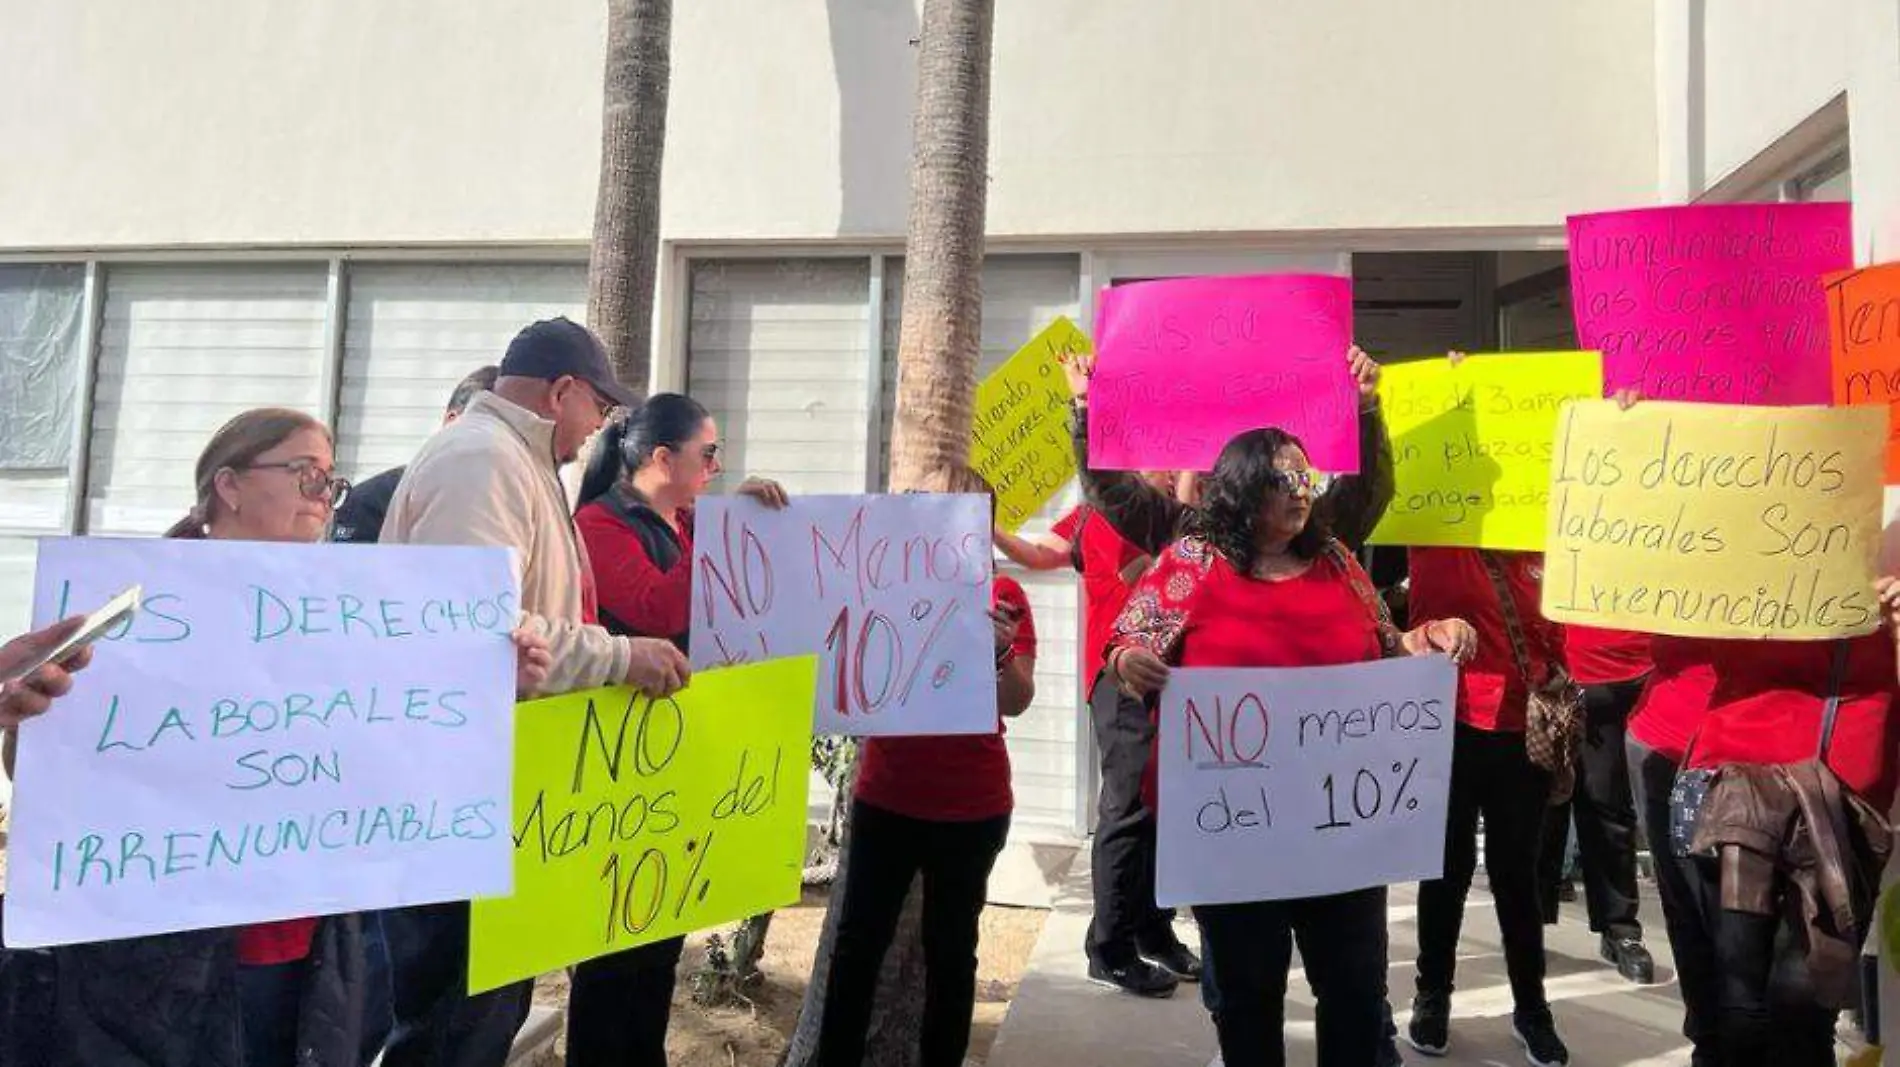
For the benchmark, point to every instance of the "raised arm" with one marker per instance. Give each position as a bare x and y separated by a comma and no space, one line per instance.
1357,502
1146,517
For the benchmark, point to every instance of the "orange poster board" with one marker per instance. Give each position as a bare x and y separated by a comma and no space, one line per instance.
1863,315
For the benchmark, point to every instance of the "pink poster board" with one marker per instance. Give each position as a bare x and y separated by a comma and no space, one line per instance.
1184,364
1718,304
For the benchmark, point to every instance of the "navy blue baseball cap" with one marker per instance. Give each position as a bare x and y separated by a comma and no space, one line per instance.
563,348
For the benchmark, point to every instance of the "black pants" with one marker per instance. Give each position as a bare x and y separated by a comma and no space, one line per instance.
1342,943
1492,775
888,851
437,1023
1126,921
1745,995
1606,818
619,1007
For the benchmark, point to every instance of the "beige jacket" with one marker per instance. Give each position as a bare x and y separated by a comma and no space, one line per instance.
489,478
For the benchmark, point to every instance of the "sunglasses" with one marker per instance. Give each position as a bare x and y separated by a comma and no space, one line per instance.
1308,482
710,452
313,481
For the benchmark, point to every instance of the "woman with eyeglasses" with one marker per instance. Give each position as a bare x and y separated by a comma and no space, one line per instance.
269,994
1259,581
649,468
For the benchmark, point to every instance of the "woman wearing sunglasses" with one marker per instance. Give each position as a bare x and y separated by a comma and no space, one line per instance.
1260,582
649,468
270,994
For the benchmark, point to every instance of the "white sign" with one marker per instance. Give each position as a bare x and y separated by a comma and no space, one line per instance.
892,593
281,731
1278,784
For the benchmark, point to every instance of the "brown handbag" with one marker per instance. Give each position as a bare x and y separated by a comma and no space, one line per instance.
1553,715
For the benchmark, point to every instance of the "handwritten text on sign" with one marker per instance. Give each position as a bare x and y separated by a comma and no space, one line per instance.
1704,520
892,593
283,730
1472,446
1864,322
1185,364
638,819
1022,446
1277,784
1719,304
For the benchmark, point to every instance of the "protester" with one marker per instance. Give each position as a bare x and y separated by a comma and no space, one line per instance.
269,994
1492,775
936,808
1131,943
1611,666
33,693
649,467
1259,582
1148,519
359,519
492,477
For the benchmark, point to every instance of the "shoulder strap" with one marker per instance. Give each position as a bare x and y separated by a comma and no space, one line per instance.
1836,677
1367,593
1507,604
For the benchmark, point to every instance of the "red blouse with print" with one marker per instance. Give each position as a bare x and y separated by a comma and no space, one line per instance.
961,778
1453,583
1193,609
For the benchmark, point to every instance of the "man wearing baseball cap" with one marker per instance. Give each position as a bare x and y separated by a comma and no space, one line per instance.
492,477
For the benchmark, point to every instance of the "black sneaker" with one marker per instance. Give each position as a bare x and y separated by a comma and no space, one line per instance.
1430,1029
1141,978
1177,961
1632,960
1538,1034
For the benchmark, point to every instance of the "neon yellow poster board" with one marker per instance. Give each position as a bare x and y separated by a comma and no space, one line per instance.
1472,446
637,820
1021,418
1705,520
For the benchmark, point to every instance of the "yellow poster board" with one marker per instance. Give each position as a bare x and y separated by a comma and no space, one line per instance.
1705,520
1471,446
1021,419
637,820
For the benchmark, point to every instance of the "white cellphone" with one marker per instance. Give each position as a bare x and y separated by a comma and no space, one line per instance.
115,611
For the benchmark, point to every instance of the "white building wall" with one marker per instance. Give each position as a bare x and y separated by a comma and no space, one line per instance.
353,122
1768,65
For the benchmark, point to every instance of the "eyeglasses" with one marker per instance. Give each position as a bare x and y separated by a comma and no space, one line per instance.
313,481
1310,483
710,452
606,406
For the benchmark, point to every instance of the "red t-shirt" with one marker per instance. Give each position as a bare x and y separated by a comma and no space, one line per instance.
1104,555
1314,620
1770,697
960,778
1602,657
268,944
1676,697
1453,583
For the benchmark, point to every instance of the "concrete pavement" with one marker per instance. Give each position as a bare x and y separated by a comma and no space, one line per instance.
1060,1019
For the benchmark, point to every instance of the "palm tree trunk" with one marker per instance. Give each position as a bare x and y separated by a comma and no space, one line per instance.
620,277
941,336
938,348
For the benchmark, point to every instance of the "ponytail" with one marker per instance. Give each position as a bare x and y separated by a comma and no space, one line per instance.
605,466
191,527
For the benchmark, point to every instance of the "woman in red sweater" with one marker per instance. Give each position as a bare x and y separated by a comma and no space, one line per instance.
1258,583
936,808
1714,702
636,520
1492,775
